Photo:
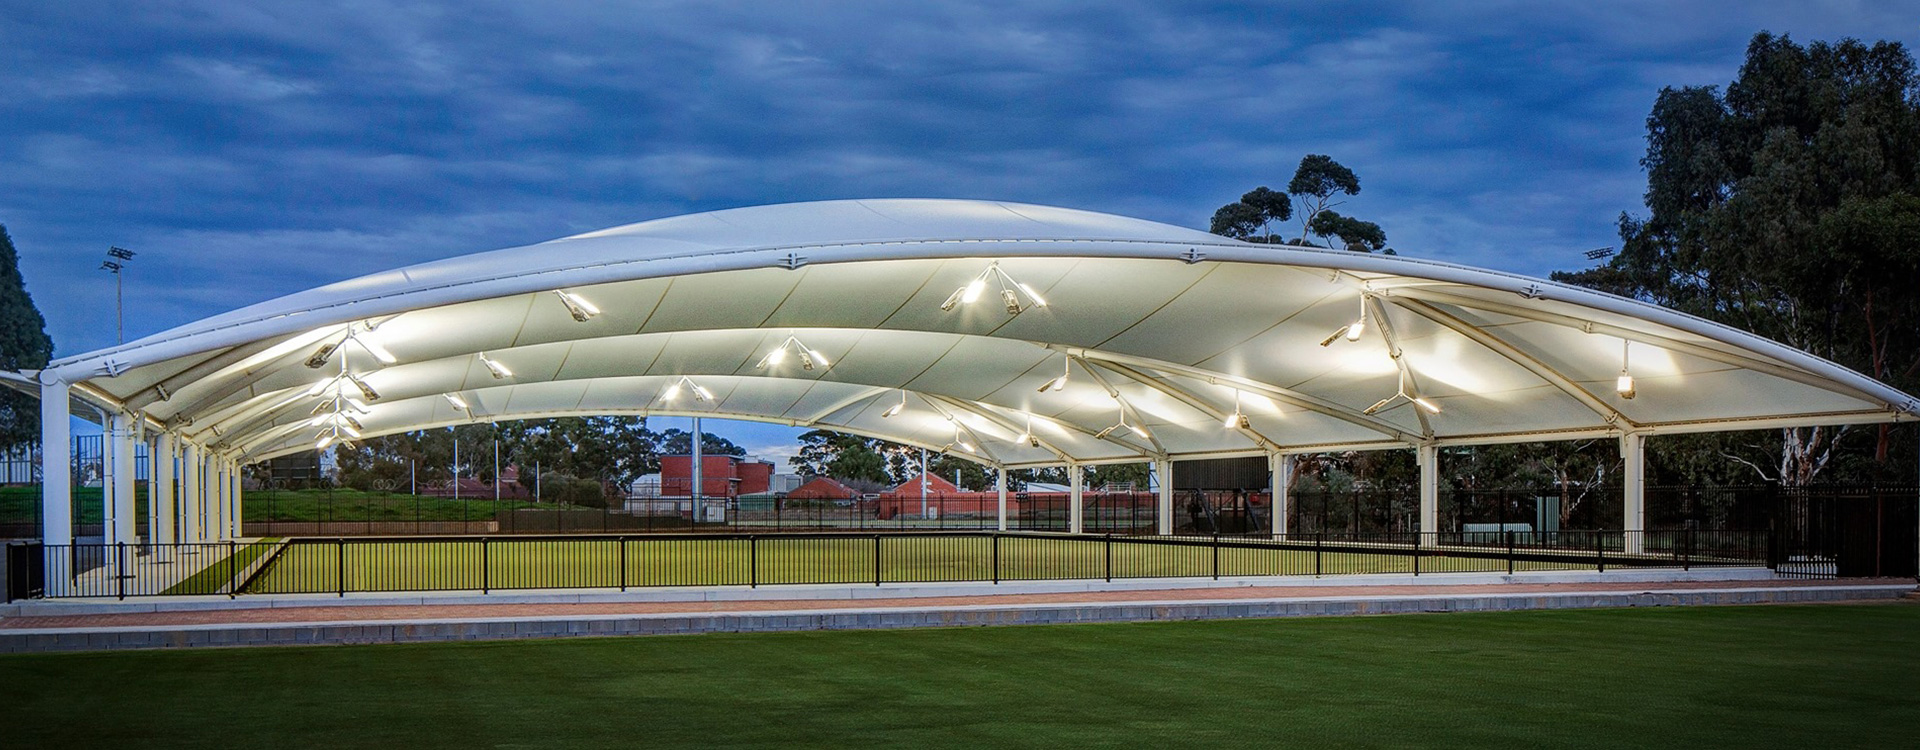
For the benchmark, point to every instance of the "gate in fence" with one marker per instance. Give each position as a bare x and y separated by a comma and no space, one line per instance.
1846,533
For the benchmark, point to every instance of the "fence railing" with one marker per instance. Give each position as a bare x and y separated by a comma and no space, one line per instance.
485,563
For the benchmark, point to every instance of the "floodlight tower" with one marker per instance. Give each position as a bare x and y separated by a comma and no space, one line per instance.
117,259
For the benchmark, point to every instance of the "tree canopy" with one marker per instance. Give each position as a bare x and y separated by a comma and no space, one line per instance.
1316,186
24,345
1789,206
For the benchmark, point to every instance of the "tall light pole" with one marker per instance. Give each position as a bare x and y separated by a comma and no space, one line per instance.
117,259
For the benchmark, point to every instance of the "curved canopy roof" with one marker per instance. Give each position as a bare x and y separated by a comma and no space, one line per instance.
1163,334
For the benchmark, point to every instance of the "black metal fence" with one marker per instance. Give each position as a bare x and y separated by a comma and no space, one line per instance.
483,563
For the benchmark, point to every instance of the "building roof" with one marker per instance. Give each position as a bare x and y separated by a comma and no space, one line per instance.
1162,332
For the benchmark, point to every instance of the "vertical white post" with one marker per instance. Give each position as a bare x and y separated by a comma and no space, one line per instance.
160,476
1000,487
193,487
1429,456
1282,481
1076,484
1163,507
239,499
56,485
217,495
1633,449
120,435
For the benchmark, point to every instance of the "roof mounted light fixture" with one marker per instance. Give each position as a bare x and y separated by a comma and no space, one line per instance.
1237,420
1059,383
1350,331
1624,384
577,306
1032,440
808,355
499,371
457,401
356,335
1401,393
896,408
686,385
1011,291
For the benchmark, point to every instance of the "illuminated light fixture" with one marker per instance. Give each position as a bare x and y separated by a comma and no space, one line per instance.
686,385
896,408
1059,383
1237,420
1350,331
808,356
324,441
1032,440
457,401
577,306
1624,384
1401,393
499,371
320,356
1010,291
365,390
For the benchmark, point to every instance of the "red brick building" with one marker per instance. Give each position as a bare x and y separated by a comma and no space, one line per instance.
720,476
943,498
823,488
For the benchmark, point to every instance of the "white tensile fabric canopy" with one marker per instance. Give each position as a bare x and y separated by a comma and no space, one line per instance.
1163,334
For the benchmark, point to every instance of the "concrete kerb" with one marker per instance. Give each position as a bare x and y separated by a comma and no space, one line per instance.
898,616
33,608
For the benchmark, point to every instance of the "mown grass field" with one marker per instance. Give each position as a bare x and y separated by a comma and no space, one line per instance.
1826,676
507,563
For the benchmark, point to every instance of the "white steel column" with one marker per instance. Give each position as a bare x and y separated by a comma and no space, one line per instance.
165,501
56,485
1076,483
1000,487
217,498
1163,508
239,513
120,437
1633,450
192,501
1429,456
1282,486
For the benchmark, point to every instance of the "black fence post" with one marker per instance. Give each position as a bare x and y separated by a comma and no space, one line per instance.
1216,554
622,541
1416,553
233,576
1509,552
1109,552
120,568
1686,548
1318,536
486,569
876,559
753,562
1600,551
340,566
996,559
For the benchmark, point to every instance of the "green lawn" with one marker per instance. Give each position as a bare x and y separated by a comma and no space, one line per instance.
506,563
1725,677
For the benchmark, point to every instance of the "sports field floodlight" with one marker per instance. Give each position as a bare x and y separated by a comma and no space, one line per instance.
499,371
1059,383
896,408
1350,331
1401,393
1011,291
1624,384
577,306
686,385
117,258
808,356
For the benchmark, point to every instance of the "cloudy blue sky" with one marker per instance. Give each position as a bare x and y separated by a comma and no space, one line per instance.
248,150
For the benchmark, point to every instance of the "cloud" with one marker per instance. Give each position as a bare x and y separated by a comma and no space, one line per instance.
252,150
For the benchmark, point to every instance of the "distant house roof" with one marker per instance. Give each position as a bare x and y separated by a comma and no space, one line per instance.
823,488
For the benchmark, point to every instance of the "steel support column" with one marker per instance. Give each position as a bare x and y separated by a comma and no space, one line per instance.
1633,452
56,484
1076,485
1281,474
1429,456
1000,487
1163,507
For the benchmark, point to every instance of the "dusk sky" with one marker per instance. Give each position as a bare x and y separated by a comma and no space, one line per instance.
251,150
